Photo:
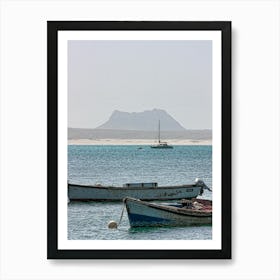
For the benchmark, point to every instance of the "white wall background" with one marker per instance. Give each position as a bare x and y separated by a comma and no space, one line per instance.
255,148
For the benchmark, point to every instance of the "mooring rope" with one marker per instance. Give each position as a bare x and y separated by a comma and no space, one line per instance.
122,213
207,188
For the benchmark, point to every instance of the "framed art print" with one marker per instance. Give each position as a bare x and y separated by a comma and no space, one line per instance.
139,140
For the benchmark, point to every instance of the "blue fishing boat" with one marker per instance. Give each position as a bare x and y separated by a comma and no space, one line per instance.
187,213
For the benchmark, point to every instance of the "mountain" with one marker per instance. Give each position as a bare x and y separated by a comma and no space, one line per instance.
145,121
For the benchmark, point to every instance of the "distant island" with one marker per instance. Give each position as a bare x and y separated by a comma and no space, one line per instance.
144,121
139,128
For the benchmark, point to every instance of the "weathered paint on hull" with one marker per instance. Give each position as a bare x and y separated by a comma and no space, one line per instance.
143,214
86,193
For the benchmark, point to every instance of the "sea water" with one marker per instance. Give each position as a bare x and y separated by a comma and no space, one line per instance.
116,165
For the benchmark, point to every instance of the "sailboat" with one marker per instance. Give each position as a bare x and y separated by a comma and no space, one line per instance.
161,144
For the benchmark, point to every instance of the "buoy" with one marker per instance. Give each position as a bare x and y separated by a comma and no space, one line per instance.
112,225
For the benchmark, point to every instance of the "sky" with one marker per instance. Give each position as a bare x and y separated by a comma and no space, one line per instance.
137,75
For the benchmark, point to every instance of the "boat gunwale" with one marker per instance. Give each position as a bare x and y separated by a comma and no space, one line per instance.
133,188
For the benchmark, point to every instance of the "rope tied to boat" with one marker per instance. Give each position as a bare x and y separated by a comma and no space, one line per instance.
122,212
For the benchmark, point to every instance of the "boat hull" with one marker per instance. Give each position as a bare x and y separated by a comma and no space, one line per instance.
161,147
101,193
145,214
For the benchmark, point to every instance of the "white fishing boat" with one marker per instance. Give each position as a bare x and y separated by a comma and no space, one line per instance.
144,191
160,144
188,213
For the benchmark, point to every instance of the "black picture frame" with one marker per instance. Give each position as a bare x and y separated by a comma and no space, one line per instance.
52,165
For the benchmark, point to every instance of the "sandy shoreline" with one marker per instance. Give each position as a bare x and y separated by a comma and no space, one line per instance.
136,142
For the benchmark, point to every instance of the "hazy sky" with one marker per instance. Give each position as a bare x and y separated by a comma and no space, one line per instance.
134,76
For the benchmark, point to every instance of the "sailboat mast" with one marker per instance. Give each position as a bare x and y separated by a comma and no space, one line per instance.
159,131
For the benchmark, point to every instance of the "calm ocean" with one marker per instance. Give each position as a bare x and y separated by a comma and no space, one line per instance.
116,165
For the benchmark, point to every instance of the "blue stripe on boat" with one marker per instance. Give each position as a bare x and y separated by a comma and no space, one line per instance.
140,220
